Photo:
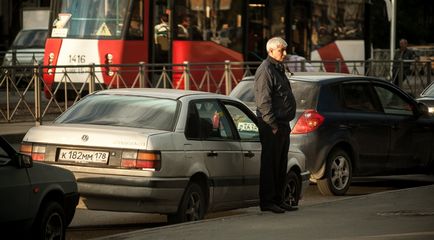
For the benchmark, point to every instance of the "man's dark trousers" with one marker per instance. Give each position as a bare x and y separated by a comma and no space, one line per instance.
274,161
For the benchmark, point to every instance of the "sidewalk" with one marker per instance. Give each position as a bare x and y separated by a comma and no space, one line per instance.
15,128
401,214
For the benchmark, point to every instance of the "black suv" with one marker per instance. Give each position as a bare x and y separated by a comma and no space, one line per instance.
349,125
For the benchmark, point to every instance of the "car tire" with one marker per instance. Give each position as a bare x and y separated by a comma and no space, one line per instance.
292,189
338,174
50,222
192,206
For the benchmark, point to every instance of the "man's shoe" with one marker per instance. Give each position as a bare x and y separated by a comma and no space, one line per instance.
286,207
273,208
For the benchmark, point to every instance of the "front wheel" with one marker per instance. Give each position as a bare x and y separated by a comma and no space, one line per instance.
50,222
292,189
192,206
338,174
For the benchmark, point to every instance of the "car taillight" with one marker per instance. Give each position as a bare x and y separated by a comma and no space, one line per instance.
141,160
308,122
37,152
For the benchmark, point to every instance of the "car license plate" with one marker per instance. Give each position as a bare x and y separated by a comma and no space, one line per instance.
82,156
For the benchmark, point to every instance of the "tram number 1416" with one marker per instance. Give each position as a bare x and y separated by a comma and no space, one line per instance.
77,59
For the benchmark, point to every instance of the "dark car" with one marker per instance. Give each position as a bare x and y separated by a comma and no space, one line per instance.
349,125
37,200
427,97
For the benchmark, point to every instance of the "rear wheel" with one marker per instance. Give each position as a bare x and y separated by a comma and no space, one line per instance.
338,174
192,206
292,189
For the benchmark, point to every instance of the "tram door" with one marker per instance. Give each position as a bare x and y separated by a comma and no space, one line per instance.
265,19
299,22
258,31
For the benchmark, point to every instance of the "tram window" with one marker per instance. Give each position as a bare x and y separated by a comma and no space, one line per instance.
135,28
211,20
74,19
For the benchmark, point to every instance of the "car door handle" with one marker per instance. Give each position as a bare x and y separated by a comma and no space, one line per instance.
212,154
249,154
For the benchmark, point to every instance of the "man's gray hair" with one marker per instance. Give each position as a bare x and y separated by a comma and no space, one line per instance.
276,42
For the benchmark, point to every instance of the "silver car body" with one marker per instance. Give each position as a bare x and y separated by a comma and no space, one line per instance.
28,47
229,169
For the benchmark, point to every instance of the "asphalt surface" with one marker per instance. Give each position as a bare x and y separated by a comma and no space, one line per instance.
391,215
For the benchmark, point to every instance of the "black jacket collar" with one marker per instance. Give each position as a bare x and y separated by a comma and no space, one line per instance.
277,64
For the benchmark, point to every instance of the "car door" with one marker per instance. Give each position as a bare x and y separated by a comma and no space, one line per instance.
411,134
245,124
222,153
15,190
367,125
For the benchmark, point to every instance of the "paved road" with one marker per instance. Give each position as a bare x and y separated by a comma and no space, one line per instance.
391,215
369,211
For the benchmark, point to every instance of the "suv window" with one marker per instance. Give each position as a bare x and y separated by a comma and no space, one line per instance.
392,102
305,93
357,97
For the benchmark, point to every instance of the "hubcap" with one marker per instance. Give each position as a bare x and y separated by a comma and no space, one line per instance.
54,227
290,193
340,172
192,212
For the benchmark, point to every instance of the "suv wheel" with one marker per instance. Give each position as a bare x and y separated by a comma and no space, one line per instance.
292,189
50,222
192,206
338,174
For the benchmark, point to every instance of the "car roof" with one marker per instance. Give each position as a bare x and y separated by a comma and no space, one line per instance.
322,77
159,92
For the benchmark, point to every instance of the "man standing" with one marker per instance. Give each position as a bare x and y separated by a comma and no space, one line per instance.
403,54
275,109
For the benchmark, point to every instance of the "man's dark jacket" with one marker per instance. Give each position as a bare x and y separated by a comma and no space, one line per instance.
274,99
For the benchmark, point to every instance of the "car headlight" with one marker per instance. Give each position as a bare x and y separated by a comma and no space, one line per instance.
6,62
431,110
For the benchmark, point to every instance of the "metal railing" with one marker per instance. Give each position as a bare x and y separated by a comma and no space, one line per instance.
33,97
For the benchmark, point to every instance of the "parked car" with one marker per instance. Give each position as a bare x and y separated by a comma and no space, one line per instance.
174,152
427,97
349,125
36,200
27,49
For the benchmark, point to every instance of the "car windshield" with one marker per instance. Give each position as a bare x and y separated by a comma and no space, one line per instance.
30,39
429,91
121,110
304,92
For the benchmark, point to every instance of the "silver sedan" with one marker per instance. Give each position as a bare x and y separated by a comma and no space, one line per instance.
174,152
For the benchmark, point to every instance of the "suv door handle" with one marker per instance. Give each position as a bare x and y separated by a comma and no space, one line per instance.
212,154
249,154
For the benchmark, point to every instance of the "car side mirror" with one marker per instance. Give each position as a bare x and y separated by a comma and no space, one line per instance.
24,161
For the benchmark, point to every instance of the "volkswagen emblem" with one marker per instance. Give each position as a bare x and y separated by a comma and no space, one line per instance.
84,138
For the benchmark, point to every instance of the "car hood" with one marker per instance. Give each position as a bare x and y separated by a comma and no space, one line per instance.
427,100
91,135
